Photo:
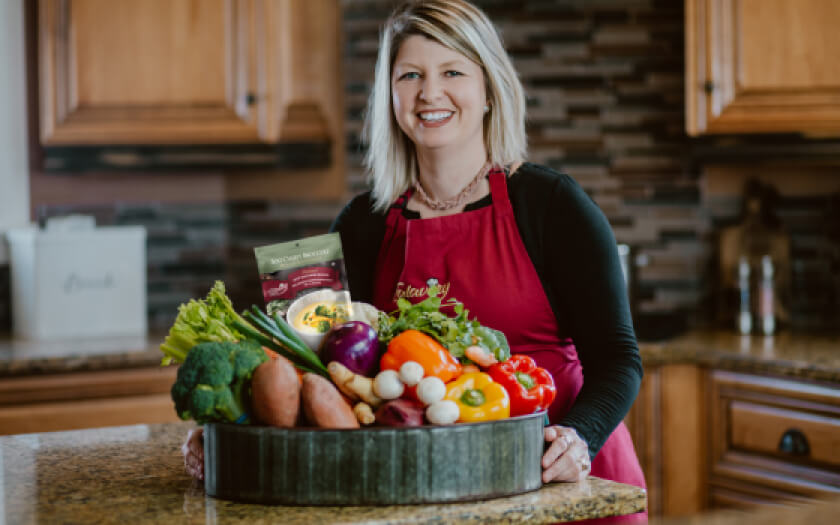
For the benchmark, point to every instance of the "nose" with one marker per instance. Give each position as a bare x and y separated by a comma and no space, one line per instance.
431,88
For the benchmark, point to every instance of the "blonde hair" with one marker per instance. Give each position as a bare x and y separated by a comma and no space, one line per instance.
462,27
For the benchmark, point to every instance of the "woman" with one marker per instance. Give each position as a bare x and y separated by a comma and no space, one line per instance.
523,247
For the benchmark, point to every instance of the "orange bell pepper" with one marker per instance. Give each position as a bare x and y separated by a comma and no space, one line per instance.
413,345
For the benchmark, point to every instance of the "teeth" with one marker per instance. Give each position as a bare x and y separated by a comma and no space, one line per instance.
435,116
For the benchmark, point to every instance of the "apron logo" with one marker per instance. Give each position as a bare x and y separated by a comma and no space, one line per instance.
409,292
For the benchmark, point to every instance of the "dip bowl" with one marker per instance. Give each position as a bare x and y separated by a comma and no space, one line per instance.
313,340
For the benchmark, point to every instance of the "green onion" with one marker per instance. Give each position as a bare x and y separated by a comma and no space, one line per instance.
301,350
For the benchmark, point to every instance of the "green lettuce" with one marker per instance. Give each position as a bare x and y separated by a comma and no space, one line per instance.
201,321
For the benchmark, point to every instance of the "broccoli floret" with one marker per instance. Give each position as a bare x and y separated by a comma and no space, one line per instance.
213,382
323,311
245,359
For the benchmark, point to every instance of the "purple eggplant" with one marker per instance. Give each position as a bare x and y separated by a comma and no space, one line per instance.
353,344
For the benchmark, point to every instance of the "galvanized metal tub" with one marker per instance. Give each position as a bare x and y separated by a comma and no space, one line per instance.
374,466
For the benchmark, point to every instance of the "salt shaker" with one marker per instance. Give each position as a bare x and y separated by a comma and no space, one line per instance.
744,310
766,297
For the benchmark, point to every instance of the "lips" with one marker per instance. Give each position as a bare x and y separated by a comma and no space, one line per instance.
435,118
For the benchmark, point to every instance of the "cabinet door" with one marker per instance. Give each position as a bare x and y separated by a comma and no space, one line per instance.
148,71
762,66
188,71
666,425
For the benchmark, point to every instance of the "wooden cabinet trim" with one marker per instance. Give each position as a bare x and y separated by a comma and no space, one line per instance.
725,492
89,413
683,443
745,468
807,473
85,385
821,395
666,423
644,422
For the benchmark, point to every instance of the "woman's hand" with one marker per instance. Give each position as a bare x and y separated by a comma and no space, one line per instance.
567,459
193,450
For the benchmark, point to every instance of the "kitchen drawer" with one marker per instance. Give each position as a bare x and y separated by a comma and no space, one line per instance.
86,399
785,433
772,440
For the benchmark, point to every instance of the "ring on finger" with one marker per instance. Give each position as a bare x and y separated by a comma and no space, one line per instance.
584,464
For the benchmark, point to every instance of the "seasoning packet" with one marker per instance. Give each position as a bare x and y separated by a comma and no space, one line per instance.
314,265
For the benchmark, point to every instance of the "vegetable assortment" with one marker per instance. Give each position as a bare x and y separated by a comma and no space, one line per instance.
412,367
455,333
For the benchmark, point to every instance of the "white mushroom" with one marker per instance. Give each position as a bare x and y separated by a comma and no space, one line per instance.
411,372
430,390
443,413
387,385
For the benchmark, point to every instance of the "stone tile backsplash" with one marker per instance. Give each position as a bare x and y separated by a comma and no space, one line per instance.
605,88
604,81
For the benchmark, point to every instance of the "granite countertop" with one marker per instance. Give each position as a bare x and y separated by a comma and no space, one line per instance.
794,355
788,354
135,474
20,357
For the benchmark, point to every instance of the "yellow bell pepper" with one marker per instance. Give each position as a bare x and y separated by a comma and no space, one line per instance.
478,397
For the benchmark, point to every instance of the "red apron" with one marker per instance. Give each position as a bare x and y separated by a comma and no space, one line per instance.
478,257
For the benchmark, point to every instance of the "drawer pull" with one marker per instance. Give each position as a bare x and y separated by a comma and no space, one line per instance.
794,442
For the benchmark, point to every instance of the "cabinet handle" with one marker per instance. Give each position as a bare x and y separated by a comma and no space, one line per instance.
250,99
708,87
794,442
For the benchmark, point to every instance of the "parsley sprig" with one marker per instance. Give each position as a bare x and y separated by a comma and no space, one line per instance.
455,333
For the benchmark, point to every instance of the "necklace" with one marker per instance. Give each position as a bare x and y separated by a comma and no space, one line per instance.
455,201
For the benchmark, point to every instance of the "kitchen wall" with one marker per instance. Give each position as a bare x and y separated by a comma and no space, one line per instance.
605,87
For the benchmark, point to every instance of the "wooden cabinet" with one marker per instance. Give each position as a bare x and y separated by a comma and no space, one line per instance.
773,441
188,71
762,66
86,399
667,423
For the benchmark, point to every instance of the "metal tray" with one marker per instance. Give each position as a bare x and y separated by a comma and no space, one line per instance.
374,466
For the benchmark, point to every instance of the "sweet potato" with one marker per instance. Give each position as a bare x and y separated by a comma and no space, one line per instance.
323,404
275,393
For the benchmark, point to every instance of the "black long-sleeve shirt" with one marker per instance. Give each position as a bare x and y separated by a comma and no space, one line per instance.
573,249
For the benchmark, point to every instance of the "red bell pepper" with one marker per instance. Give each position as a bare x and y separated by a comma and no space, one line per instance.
530,387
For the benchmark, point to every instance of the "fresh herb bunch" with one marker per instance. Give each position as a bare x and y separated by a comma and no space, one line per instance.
455,333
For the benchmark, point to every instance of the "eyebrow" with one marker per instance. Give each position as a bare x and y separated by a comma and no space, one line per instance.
445,64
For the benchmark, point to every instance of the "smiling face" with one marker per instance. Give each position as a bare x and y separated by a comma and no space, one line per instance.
438,96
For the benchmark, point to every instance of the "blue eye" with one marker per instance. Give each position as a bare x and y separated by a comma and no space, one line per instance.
410,75
453,73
